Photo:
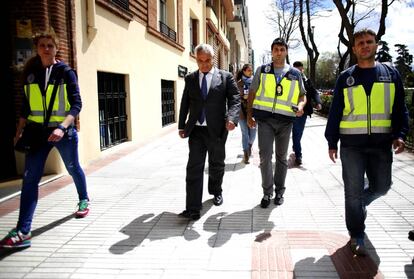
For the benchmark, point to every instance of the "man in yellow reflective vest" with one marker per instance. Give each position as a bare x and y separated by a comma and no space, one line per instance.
276,97
368,115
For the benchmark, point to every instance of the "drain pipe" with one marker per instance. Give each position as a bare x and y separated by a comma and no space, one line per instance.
92,30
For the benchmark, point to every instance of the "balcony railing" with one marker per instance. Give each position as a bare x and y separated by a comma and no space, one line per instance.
167,31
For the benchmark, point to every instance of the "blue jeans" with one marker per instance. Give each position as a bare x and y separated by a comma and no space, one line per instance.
248,134
297,132
356,162
34,165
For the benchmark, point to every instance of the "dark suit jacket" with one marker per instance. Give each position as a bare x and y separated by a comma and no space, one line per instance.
312,97
222,103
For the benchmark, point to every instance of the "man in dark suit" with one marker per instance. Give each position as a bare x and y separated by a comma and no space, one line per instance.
211,101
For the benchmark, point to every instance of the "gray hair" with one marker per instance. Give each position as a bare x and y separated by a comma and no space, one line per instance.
206,48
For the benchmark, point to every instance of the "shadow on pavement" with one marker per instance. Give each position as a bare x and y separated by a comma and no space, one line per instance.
346,264
292,164
234,167
4,253
239,222
409,270
230,167
52,225
161,226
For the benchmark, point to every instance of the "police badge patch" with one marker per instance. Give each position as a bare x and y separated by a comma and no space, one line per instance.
384,78
267,68
350,81
30,78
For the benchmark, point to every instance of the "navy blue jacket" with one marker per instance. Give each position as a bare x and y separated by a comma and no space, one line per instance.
38,76
366,78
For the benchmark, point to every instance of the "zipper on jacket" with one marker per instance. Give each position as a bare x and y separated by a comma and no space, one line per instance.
44,104
274,103
369,114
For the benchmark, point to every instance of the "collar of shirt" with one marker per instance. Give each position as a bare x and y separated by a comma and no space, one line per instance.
48,72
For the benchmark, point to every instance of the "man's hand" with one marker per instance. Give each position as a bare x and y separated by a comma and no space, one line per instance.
333,154
318,107
17,137
230,125
299,112
181,134
398,145
56,135
251,123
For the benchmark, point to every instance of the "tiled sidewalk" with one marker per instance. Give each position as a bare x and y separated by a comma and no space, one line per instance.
133,230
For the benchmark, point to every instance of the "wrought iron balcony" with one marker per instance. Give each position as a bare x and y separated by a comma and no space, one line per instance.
167,31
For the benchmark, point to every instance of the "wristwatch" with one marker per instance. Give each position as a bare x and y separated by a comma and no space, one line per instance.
61,127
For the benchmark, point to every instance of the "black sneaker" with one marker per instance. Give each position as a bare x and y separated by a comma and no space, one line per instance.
298,161
264,203
218,200
279,200
358,247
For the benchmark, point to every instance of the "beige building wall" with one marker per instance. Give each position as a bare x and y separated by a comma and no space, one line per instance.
124,47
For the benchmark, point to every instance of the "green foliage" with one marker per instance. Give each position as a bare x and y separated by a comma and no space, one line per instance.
409,80
326,73
383,54
326,103
410,105
403,61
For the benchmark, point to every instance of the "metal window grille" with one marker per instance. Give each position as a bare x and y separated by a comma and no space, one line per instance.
112,109
122,3
167,102
167,31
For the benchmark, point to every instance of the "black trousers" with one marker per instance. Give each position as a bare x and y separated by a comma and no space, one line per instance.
200,144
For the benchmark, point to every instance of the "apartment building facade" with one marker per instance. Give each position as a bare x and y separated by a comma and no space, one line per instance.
131,57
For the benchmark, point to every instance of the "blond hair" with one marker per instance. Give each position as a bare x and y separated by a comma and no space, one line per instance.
47,35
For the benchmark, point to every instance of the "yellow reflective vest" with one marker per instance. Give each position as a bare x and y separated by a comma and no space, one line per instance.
266,98
39,104
367,114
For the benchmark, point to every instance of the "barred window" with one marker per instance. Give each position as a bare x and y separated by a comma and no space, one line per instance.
112,109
